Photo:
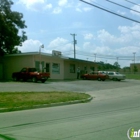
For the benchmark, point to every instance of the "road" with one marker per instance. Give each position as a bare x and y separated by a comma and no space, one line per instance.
114,109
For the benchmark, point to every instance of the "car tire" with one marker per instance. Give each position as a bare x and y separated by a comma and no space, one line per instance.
99,79
114,79
84,78
15,78
43,81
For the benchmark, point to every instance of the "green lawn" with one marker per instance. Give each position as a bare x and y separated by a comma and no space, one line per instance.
133,76
10,101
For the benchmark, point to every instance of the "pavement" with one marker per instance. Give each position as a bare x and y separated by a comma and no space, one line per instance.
97,90
114,109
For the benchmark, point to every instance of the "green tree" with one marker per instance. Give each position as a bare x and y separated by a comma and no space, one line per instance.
11,28
135,69
116,64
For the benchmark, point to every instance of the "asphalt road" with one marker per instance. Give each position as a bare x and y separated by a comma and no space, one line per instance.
114,109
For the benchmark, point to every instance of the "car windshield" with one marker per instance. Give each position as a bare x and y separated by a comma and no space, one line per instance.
117,73
111,73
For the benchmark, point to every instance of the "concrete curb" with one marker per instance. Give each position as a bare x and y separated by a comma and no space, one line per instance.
48,105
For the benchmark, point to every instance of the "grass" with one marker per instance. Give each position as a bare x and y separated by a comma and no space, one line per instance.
133,76
10,101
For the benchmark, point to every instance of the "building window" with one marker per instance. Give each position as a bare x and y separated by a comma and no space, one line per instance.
56,68
72,68
37,65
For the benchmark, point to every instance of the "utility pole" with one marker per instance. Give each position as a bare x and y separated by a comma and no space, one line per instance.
117,59
117,63
74,42
95,57
40,65
135,68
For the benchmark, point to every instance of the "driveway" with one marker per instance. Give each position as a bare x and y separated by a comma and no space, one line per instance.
66,85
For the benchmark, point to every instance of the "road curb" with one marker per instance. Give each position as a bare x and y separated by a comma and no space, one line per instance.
48,105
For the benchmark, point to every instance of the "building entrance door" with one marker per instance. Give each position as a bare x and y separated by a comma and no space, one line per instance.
47,67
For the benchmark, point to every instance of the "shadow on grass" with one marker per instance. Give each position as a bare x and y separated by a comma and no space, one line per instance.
4,137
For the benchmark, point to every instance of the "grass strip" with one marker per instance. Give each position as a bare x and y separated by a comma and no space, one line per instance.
11,101
133,76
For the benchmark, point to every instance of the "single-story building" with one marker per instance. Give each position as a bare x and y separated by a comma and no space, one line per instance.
60,67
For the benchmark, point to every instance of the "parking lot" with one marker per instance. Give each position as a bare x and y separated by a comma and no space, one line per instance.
67,85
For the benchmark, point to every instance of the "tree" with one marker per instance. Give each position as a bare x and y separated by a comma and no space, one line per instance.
116,64
135,69
11,28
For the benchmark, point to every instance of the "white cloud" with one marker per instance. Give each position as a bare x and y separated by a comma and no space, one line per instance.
60,44
47,6
137,8
62,2
35,5
106,38
86,9
88,36
30,3
78,9
30,46
127,50
57,10
121,13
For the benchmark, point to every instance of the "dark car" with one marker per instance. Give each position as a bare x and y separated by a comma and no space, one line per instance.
30,74
94,76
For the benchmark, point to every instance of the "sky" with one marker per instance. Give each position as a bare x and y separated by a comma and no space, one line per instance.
100,35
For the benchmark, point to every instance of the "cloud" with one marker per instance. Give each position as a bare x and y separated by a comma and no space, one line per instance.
78,9
121,13
35,5
62,2
30,3
60,44
128,50
106,38
30,46
57,10
88,36
47,6
137,8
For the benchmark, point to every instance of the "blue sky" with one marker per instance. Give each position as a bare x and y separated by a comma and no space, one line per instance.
50,22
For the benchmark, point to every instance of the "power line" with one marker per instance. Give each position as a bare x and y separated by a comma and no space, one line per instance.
123,6
111,12
132,2
105,56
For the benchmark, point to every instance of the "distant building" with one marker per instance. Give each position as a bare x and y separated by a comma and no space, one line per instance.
60,67
135,67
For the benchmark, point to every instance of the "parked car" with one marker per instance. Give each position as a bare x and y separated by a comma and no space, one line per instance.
30,74
116,76
94,76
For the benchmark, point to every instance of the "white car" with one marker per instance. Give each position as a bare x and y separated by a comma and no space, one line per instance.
116,76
